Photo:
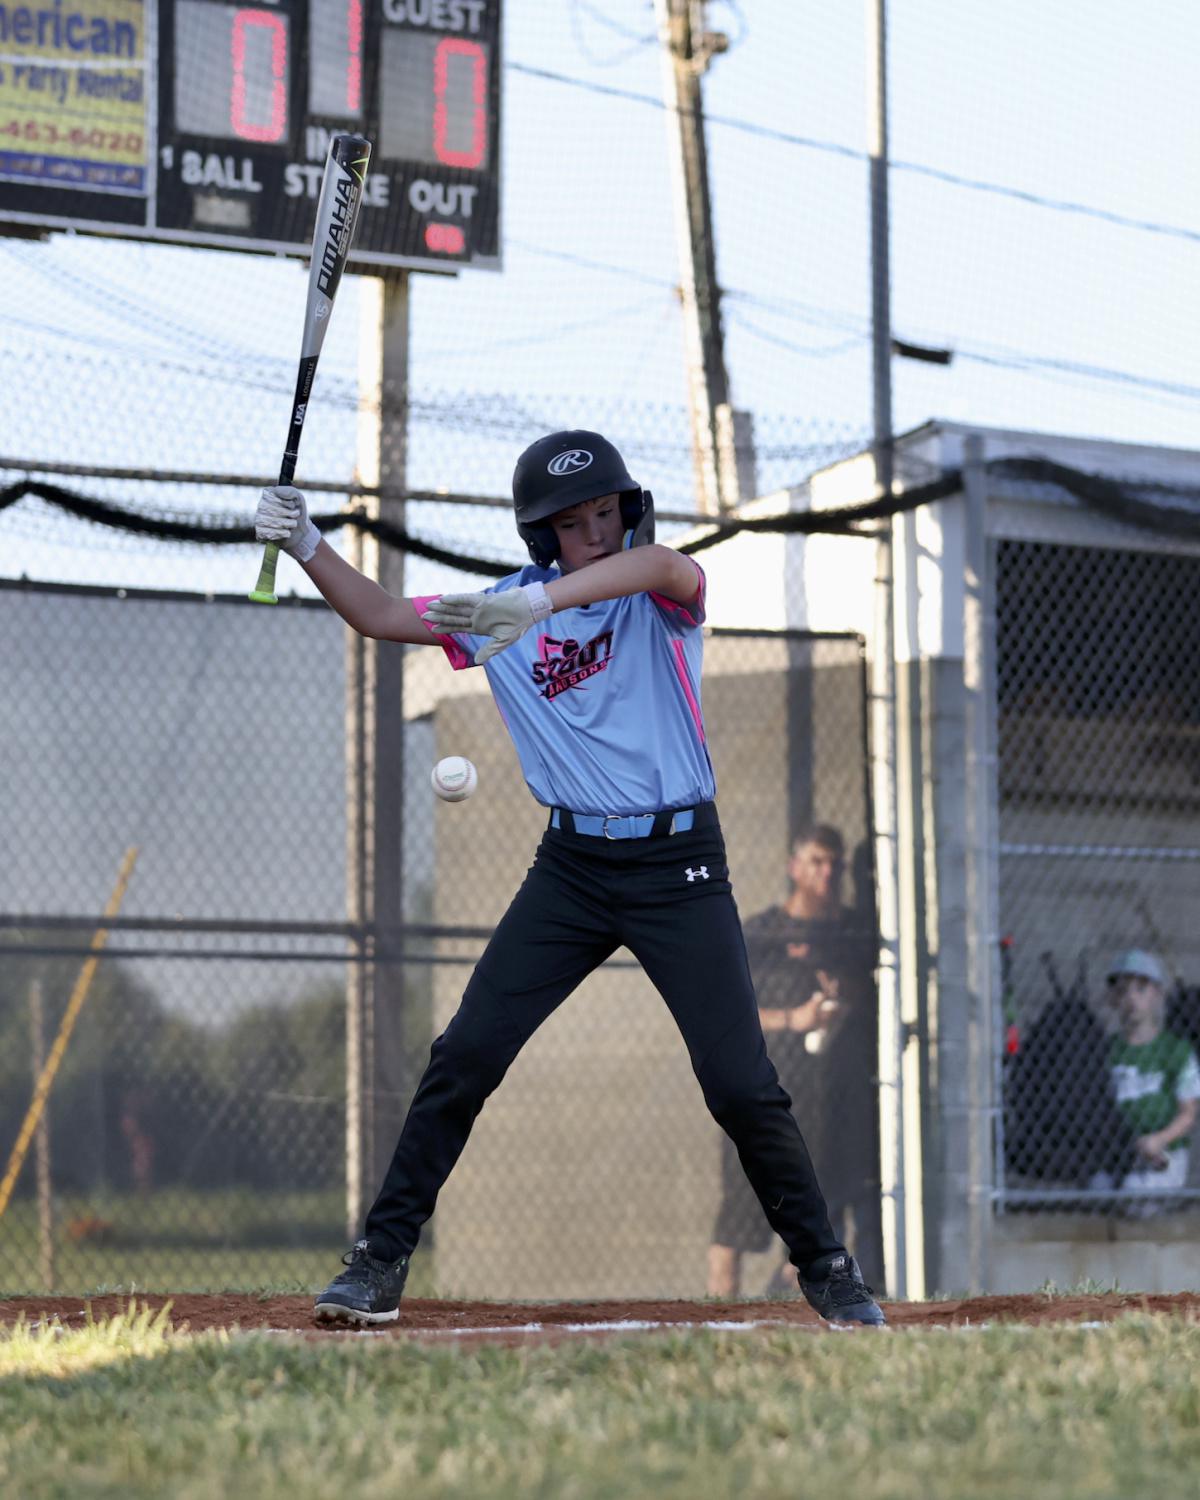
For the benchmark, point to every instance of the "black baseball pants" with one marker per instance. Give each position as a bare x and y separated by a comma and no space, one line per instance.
668,900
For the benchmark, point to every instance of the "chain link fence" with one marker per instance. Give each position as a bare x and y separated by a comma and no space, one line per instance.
206,1125
454,449
1099,808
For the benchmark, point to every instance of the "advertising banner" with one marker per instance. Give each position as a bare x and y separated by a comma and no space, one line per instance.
73,94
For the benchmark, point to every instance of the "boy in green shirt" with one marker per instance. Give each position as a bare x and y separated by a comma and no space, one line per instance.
1154,1072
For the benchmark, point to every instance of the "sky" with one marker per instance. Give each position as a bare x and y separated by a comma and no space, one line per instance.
1041,230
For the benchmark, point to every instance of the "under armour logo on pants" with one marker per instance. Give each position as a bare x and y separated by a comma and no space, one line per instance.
700,874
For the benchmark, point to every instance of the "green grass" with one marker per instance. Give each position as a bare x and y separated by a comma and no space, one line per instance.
176,1241
1088,1287
128,1409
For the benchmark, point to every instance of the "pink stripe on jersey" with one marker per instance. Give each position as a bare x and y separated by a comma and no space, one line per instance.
685,683
455,654
693,613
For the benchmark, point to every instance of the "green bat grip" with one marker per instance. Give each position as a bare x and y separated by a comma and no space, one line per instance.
264,590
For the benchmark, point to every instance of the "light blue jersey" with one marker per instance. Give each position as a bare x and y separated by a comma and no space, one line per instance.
603,701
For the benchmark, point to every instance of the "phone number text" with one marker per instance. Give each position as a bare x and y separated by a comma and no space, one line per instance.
47,133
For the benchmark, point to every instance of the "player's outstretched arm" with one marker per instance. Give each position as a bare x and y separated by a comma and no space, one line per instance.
505,617
282,517
654,569
363,603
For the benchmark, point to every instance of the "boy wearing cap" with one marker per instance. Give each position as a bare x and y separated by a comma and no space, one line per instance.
1154,1072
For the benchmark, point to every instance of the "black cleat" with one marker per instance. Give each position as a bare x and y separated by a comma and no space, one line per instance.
367,1291
835,1288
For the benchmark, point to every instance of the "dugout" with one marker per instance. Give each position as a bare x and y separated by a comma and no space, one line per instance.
1046,781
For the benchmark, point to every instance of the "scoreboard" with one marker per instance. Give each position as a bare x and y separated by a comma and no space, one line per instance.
203,122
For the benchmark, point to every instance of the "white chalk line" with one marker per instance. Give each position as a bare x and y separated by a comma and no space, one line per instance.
717,1325
627,1325
623,1325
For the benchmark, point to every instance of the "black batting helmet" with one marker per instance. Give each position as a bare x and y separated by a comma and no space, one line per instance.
565,468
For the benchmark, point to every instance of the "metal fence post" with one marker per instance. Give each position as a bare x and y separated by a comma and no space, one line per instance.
891,1026
374,765
982,935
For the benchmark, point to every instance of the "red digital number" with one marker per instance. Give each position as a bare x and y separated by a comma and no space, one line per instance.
244,22
472,56
446,238
354,47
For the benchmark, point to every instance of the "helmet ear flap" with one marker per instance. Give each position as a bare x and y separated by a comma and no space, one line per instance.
637,517
542,542
637,521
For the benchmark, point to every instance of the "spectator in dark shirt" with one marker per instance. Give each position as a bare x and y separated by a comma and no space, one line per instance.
813,970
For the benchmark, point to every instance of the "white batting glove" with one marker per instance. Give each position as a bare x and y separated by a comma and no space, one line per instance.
504,617
282,517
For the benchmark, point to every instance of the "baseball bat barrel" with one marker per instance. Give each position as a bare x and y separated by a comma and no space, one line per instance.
337,215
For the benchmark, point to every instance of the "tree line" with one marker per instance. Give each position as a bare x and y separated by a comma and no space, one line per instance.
226,1094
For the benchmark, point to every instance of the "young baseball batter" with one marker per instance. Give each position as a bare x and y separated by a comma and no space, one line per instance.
593,655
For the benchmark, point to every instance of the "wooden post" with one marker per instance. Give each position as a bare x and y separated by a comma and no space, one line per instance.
45,1079
41,1143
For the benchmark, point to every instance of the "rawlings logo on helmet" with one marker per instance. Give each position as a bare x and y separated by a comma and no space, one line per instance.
570,462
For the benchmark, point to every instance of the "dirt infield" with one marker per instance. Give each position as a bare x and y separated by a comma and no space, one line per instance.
526,1322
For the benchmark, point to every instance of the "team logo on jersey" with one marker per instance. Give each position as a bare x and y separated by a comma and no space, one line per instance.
1131,1083
570,462
567,664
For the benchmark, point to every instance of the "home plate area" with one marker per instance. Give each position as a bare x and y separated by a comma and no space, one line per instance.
463,1324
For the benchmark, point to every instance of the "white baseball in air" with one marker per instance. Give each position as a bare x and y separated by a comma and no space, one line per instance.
454,778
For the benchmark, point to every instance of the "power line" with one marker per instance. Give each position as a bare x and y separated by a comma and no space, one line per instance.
803,312
588,263
546,335
1007,360
1018,361
829,351
271,373
637,40
853,153
611,24
343,391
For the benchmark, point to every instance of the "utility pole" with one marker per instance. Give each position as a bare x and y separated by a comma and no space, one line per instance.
881,275
375,1054
722,442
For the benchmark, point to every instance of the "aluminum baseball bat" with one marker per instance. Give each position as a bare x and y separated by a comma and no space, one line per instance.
337,214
